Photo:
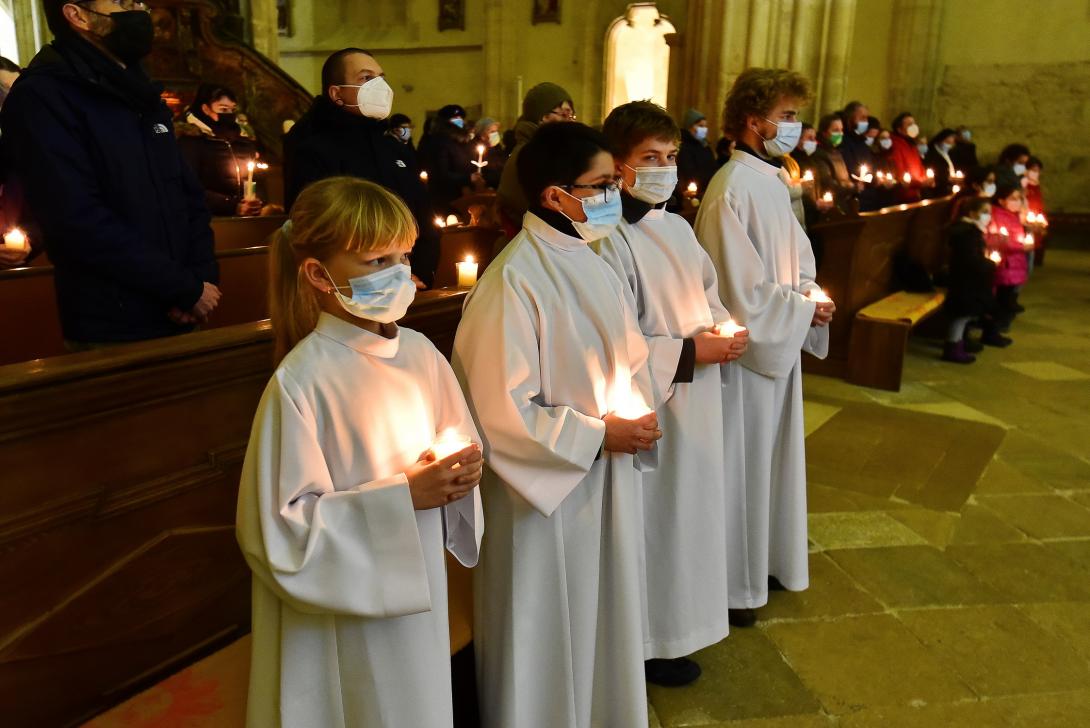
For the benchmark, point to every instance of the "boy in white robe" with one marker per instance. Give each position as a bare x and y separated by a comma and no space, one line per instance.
554,368
766,279
657,256
345,506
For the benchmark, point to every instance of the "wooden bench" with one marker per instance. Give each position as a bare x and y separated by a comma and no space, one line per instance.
456,243
879,337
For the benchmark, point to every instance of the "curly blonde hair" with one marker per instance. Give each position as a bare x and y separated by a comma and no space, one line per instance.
757,91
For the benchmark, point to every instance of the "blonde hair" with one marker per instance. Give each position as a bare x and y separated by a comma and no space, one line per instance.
334,215
757,91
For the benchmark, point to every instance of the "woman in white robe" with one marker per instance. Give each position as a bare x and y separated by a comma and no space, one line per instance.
349,590
547,348
766,276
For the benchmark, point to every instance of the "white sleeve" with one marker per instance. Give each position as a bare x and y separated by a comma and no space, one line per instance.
543,452
778,317
463,520
321,550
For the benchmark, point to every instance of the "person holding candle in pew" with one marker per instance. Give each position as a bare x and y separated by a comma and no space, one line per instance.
980,182
830,172
695,158
447,155
969,285
1007,236
766,271
701,457
215,146
554,366
361,469
964,152
907,161
939,161
344,133
857,151
486,133
122,216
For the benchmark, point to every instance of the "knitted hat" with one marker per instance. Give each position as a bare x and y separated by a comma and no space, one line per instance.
691,117
542,99
450,111
482,124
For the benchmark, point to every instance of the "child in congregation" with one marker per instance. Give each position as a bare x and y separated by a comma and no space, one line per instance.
1007,236
657,256
358,473
969,287
1034,213
554,367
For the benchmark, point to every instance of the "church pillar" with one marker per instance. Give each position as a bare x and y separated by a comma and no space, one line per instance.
914,58
264,30
500,81
839,22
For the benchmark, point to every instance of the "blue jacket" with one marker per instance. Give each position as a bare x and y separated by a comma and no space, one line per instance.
123,218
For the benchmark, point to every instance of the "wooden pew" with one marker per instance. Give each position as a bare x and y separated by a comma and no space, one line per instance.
456,243
867,347
120,475
232,233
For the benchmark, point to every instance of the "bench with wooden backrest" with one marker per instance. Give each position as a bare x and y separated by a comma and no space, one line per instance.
121,472
456,243
869,335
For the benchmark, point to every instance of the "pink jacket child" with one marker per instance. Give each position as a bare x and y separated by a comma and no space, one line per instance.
1013,270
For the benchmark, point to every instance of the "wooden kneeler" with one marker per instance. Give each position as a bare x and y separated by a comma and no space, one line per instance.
879,338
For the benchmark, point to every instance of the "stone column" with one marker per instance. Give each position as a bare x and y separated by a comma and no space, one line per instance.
263,29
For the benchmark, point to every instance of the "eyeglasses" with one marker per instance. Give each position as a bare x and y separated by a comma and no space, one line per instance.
563,114
123,4
607,188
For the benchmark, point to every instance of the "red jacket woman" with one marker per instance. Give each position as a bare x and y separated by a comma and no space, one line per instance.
906,159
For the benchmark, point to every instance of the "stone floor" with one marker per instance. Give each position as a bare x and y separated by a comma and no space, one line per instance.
950,556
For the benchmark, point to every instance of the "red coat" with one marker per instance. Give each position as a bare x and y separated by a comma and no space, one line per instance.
1035,202
1014,270
906,158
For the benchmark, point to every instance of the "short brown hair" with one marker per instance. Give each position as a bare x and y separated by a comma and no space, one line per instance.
630,124
757,91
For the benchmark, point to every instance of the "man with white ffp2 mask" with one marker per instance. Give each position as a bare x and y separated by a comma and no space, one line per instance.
345,133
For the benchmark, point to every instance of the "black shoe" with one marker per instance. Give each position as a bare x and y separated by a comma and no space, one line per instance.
972,345
671,673
774,584
996,339
742,617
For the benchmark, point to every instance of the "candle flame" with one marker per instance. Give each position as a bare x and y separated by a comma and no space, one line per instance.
907,178
262,165
956,189
250,166
424,176
15,237
692,187
449,442
863,170
930,174
818,295
827,197
439,222
1003,231
728,328
480,149
808,176
995,257
469,259
452,220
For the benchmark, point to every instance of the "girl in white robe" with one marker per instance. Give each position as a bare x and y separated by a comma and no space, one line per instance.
701,455
343,510
766,274
548,351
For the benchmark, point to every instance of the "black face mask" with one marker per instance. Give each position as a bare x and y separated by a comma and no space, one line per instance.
227,126
130,39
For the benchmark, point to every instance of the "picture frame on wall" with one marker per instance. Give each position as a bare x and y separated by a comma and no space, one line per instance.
546,11
452,15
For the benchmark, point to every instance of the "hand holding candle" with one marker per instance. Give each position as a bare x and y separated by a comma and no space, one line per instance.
15,239
446,472
480,163
631,425
1028,241
467,272
995,257
449,442
825,308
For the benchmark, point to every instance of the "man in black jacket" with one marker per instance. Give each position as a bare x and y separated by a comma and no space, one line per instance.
344,133
857,153
123,218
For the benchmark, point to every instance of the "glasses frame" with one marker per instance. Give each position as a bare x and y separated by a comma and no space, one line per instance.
608,188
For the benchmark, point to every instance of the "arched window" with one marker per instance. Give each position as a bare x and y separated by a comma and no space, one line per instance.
9,46
637,56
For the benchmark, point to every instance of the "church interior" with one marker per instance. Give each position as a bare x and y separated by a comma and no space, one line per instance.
947,506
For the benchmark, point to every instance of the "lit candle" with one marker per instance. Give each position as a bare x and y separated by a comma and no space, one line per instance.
956,189
424,177
818,295
1028,240
729,328
827,197
907,179
863,170
1031,217
692,189
1041,219
808,176
16,240
995,257
452,220
467,272
930,173
480,163
439,222
958,174
1003,231
449,442
249,192
629,406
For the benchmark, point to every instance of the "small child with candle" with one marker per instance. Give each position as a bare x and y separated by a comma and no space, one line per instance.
344,510
1006,235
691,338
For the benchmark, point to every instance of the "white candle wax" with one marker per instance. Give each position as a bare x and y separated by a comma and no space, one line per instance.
907,178
452,220
15,239
729,328
467,272
818,295
449,442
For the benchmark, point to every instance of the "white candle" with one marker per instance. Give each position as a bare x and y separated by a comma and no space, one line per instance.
439,222
249,190
930,173
827,197
452,220
424,177
1003,231
729,328
467,272
250,172
480,163
692,189
449,442
16,240
907,178
818,295
995,257
863,170
808,176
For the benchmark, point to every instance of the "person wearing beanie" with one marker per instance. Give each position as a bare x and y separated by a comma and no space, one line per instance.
486,133
544,103
401,129
447,156
695,158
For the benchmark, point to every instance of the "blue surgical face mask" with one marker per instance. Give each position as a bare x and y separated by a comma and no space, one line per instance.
458,122
383,296
701,133
603,215
861,127
404,133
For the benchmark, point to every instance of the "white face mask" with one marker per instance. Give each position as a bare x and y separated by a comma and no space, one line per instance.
869,141
967,135
603,216
913,130
885,143
786,139
653,184
1019,169
374,99
493,138
809,146
988,190
922,149
383,296
404,133
983,220
701,133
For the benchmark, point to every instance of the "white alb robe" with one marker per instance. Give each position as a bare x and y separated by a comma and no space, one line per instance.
349,591
546,343
701,455
766,267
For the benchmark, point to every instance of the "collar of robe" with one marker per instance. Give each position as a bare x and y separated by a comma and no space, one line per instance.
750,158
359,339
633,210
552,228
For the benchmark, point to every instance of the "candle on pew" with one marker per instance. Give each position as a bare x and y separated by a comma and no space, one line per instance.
467,272
729,328
15,239
439,223
907,178
452,220
449,442
424,177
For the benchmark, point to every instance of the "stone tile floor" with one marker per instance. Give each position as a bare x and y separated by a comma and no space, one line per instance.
950,556
950,547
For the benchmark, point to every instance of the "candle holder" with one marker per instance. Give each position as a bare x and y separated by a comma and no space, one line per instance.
16,239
